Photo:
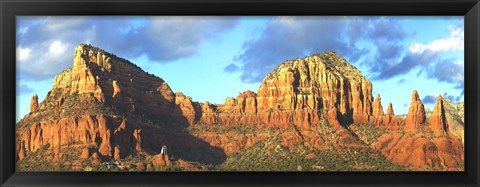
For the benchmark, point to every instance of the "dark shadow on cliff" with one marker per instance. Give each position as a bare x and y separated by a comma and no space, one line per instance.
173,133
160,120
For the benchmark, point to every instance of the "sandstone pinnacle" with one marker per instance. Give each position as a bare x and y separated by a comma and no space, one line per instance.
34,103
416,113
437,120
377,106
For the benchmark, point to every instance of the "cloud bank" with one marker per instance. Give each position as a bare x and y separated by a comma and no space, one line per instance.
45,44
379,44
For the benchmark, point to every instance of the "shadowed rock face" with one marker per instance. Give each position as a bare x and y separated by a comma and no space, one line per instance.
114,109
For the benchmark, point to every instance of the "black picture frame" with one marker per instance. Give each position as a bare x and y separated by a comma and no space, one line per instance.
470,9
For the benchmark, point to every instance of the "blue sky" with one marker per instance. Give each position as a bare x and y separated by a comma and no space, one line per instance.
211,58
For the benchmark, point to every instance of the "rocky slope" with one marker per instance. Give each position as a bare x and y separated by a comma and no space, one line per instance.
110,109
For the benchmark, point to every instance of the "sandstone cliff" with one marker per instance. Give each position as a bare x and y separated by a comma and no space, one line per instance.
107,108
110,105
300,92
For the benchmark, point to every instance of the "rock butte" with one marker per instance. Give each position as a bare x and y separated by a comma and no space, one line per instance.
109,105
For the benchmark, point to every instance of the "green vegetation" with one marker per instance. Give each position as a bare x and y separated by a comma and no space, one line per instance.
240,129
74,104
367,133
269,155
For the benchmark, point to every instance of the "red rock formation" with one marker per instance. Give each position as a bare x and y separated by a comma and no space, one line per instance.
117,154
115,81
377,107
390,120
95,159
161,160
390,110
417,152
208,113
297,93
185,107
306,86
34,103
138,139
416,113
82,98
21,154
113,106
85,154
437,120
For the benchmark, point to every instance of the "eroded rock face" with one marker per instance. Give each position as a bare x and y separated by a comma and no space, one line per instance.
299,92
390,110
437,120
416,113
34,103
87,130
107,78
85,153
310,85
115,109
418,152
377,107
90,102
186,108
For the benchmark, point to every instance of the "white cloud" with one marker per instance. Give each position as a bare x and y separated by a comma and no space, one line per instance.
43,59
51,40
453,43
57,49
23,54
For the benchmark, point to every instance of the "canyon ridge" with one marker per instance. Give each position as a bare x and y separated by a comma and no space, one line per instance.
310,114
